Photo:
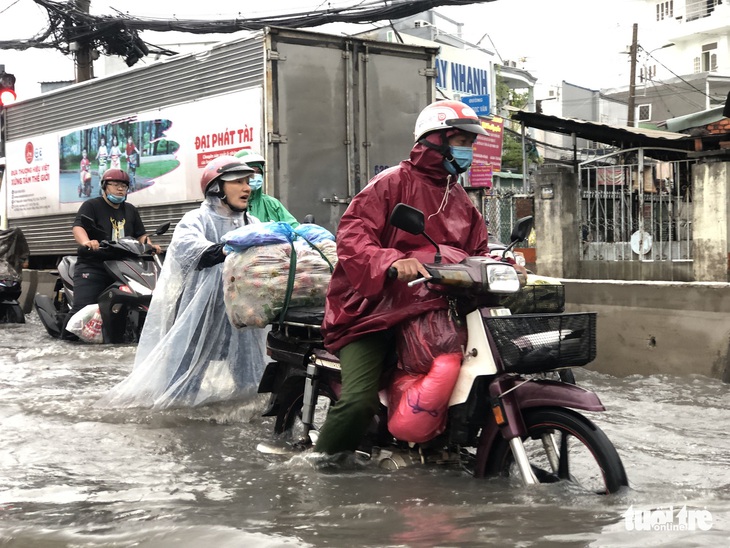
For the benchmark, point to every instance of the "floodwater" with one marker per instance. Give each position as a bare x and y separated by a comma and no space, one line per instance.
73,475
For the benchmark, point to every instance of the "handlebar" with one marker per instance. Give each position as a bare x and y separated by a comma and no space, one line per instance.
392,273
111,247
418,281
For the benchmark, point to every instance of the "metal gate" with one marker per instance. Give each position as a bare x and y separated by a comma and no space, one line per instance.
636,208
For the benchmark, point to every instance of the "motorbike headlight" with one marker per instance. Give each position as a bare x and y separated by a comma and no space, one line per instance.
502,278
139,288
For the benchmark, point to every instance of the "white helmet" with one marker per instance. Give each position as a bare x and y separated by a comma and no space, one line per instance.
251,157
448,115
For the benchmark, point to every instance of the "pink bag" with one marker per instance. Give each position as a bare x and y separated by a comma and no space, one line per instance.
418,404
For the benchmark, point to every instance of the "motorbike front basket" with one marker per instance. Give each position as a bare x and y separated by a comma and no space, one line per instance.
533,343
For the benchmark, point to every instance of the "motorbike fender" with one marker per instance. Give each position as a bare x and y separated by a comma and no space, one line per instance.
280,381
538,393
268,379
113,324
544,393
48,315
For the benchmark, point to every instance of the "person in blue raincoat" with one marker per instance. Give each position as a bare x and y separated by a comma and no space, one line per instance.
189,354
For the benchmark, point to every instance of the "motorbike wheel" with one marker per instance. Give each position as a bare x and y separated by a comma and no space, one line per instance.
289,423
583,453
11,313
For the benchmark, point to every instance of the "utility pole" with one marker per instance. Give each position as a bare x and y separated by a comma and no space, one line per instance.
632,78
84,62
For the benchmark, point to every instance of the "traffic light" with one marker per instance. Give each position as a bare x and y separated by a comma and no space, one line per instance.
7,89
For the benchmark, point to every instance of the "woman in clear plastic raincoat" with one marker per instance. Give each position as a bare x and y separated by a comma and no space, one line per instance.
189,354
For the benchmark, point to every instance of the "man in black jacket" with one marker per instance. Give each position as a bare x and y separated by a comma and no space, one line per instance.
116,218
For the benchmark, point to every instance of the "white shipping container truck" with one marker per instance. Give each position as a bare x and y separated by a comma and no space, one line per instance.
328,112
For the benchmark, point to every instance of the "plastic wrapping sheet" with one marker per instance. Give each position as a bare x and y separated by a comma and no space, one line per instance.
14,251
258,234
257,281
189,354
314,233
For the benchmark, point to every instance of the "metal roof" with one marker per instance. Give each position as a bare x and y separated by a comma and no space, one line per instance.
617,136
695,119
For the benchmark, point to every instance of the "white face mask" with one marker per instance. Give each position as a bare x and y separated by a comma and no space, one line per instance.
256,181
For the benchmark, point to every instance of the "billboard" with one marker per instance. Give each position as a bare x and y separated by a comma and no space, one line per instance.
487,153
164,152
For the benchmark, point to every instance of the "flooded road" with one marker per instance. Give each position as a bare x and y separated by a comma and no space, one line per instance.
73,475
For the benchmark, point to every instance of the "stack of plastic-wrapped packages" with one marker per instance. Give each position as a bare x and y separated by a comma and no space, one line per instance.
272,266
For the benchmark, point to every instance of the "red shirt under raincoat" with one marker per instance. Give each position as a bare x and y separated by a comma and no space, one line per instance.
361,299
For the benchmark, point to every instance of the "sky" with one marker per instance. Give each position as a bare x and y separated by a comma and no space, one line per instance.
572,40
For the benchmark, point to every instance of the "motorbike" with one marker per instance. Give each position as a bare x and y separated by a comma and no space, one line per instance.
14,252
85,185
123,305
509,413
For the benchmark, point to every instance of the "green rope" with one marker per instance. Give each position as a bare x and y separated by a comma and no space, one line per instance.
292,274
289,284
318,250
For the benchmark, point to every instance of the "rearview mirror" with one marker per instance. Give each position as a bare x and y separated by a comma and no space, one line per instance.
521,230
93,230
162,228
410,219
407,218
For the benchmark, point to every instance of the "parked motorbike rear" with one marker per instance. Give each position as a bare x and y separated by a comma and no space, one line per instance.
505,416
14,252
123,305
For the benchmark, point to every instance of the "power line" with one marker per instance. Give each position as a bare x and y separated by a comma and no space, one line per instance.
119,34
674,74
10,6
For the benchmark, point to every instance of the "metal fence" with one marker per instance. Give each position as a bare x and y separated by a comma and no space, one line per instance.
635,208
501,208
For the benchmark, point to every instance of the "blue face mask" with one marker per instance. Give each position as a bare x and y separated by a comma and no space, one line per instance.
113,198
463,157
256,181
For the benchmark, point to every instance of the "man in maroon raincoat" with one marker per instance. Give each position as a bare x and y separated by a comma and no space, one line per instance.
363,305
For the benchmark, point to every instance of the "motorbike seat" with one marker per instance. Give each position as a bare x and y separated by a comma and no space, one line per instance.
307,315
67,266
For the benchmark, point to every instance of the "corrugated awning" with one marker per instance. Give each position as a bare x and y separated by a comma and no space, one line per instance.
622,137
694,120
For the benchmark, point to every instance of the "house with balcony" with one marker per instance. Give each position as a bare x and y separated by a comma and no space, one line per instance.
681,60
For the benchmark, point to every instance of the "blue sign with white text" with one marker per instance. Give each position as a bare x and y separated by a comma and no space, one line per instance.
461,78
480,103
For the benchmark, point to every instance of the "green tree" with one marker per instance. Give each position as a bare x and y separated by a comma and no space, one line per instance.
511,143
